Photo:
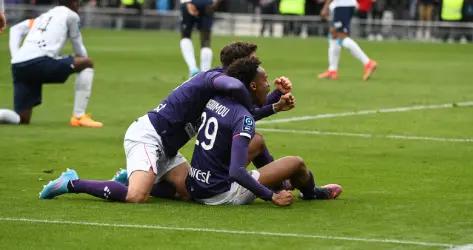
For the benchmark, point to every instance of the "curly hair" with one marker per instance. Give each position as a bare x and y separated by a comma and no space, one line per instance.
244,69
236,50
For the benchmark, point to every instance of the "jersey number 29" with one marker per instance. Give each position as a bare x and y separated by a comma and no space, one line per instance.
212,121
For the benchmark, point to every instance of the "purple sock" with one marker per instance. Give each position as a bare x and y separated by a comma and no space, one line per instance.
108,190
163,189
308,190
263,159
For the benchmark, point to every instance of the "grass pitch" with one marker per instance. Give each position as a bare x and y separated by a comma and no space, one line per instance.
406,193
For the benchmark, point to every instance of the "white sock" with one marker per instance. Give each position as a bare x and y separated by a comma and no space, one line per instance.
334,49
83,89
187,49
9,117
205,58
355,50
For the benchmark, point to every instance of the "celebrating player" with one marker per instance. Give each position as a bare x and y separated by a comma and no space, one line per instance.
342,12
152,141
218,174
197,13
37,62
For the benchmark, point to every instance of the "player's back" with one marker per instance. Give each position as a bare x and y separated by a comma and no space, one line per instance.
222,119
47,35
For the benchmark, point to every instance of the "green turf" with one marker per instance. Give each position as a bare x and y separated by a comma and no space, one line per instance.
407,190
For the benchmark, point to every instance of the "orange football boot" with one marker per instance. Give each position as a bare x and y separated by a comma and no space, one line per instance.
85,121
329,74
370,67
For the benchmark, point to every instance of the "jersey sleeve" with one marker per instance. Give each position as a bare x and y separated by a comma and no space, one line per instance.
17,33
73,24
244,127
243,131
234,88
2,8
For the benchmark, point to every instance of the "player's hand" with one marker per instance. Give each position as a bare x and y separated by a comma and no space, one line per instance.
192,10
3,22
283,198
324,13
285,103
283,84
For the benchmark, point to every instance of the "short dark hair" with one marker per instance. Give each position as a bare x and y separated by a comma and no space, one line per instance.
236,50
244,69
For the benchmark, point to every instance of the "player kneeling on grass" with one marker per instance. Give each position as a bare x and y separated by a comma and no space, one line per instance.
218,174
37,62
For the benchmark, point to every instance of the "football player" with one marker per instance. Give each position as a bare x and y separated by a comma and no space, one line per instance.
38,62
218,172
342,12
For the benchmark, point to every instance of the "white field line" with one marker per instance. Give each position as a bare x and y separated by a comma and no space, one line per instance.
362,135
368,112
227,231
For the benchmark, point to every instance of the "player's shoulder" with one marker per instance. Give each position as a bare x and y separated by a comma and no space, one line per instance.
63,10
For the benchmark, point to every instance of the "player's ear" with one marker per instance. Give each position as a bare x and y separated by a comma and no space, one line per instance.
253,85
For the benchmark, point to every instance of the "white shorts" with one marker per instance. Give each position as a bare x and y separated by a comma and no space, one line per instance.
144,150
237,195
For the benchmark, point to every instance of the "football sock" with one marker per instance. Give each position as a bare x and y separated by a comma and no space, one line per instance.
355,50
163,189
82,92
108,190
205,58
263,159
334,49
309,190
187,49
9,117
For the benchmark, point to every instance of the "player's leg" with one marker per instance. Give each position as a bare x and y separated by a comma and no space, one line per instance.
258,152
187,48
69,182
294,168
342,35
177,177
140,184
27,93
205,27
334,48
84,68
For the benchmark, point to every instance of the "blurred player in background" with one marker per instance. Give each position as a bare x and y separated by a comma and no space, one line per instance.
197,13
342,11
38,62
218,172
3,20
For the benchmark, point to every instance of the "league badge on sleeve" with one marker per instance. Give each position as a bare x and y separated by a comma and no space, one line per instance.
248,124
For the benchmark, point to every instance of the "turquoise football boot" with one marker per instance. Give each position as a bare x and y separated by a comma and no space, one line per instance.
58,186
121,176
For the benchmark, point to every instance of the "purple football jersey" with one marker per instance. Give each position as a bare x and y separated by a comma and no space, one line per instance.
223,120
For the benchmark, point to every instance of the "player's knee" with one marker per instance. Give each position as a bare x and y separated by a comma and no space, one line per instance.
136,197
299,162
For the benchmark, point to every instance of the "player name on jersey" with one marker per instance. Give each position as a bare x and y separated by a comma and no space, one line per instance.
218,108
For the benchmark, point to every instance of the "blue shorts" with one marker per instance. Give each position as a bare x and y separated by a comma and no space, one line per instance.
203,22
29,76
342,18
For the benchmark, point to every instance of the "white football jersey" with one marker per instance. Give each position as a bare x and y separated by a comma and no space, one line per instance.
49,34
343,3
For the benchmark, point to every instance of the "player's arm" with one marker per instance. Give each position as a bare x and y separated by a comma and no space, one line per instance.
73,23
233,87
191,8
3,20
213,7
285,102
17,33
237,171
325,10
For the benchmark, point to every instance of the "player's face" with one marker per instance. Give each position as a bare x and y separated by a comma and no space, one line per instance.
260,87
74,5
